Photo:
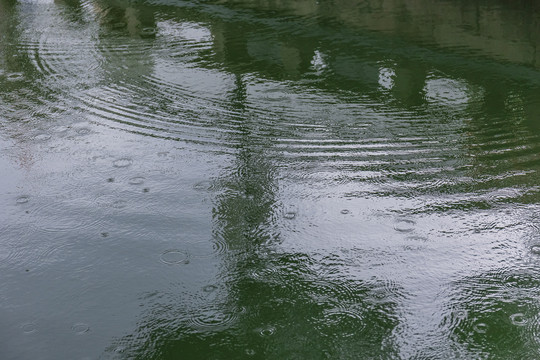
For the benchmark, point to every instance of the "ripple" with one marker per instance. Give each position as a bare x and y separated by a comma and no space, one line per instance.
15,76
80,328
23,199
345,211
29,327
220,245
209,288
214,318
535,249
137,180
174,257
83,131
122,162
341,322
42,137
518,319
148,32
480,328
266,331
290,212
404,225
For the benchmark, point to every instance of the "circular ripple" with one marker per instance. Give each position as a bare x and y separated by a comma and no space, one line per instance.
404,225
80,328
341,322
28,328
345,211
148,32
122,163
266,331
23,199
210,288
137,180
42,137
535,249
480,328
518,319
213,318
174,256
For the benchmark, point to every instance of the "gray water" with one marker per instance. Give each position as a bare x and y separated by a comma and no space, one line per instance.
269,179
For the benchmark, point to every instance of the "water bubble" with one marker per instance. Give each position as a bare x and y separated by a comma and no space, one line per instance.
123,162
173,257
518,319
480,328
23,199
80,328
404,225
28,328
137,180
210,288
345,211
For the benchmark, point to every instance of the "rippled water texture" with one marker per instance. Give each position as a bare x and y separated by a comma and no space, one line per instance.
269,179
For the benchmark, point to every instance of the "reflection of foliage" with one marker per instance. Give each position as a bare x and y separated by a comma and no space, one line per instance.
496,314
277,307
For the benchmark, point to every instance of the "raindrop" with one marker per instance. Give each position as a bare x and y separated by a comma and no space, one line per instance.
110,180
345,211
123,162
173,257
23,199
28,328
104,234
518,319
138,180
404,225
250,352
480,328
80,328
146,190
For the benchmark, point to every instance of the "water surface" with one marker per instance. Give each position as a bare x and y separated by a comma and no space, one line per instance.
269,180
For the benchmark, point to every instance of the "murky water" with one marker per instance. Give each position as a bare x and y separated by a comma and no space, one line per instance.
269,179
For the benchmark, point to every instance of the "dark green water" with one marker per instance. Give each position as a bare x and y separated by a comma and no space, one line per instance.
269,179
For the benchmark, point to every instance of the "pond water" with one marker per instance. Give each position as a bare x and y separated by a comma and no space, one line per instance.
257,179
